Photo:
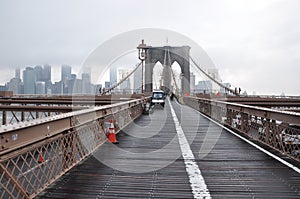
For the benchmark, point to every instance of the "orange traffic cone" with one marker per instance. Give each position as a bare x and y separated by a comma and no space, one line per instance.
111,133
41,159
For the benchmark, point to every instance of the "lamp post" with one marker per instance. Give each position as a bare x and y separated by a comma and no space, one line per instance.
142,57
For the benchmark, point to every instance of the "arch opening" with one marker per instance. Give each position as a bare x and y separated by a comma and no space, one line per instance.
176,73
157,75
179,56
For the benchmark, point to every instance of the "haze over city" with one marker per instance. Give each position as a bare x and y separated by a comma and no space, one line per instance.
255,45
149,99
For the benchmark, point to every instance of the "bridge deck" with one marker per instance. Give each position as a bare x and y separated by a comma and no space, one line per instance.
148,163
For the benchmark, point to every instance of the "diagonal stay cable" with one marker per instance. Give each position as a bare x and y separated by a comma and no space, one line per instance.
122,80
211,78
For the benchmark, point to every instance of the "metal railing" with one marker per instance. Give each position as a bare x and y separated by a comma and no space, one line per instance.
279,130
34,154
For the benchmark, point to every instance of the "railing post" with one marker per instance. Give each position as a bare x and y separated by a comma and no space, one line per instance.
244,122
4,118
266,128
22,116
273,133
229,117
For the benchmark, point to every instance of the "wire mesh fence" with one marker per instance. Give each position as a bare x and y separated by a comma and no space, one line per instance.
279,130
27,170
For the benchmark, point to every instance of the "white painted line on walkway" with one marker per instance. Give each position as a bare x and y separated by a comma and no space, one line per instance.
255,145
197,182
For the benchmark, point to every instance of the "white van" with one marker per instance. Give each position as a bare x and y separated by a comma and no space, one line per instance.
158,97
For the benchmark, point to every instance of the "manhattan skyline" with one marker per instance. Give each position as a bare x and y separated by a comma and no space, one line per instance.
254,44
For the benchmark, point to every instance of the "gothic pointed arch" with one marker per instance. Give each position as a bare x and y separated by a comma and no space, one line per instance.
168,55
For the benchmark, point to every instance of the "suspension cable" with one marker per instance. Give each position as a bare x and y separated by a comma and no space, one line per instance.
167,56
213,79
122,80
174,79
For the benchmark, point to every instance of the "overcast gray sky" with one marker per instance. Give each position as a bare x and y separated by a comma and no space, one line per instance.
254,44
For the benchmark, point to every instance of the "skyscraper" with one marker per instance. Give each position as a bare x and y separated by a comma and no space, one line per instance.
106,85
214,73
204,87
38,70
40,87
97,89
17,73
86,83
14,85
29,80
47,78
113,75
125,85
46,73
65,72
137,80
222,90
65,76
72,84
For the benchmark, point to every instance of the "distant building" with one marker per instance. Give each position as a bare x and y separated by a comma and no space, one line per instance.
137,80
73,76
113,75
214,73
49,91
3,88
97,88
107,85
77,87
14,85
43,74
204,87
22,88
46,74
65,72
71,84
37,80
192,82
29,79
17,73
57,88
65,77
40,88
125,85
222,90
86,83
38,70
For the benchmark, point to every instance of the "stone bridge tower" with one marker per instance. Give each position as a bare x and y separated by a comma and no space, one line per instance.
167,55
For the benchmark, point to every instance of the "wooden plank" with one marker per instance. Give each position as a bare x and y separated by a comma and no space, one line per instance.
232,169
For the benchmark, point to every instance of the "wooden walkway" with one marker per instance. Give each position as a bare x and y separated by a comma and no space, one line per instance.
148,163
